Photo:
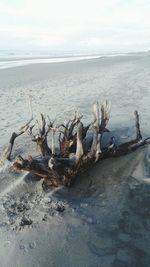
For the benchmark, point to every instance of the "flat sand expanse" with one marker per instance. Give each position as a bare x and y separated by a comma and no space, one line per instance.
60,88
104,219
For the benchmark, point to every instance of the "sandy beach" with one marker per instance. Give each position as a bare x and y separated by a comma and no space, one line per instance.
104,219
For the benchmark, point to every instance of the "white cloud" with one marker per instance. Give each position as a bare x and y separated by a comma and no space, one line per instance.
69,24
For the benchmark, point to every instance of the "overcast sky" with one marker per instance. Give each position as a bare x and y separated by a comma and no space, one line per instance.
92,25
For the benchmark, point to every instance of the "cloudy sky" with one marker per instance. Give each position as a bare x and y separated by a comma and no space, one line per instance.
90,25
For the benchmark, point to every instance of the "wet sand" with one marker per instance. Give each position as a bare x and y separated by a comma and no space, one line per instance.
104,219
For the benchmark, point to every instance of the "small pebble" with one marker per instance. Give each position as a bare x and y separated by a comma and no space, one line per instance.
25,221
44,218
60,208
32,245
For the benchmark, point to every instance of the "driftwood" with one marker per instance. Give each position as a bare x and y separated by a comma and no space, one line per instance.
80,147
6,154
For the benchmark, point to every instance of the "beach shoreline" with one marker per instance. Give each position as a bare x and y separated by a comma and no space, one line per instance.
103,219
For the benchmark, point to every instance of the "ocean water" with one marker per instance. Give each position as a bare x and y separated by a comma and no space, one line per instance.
10,59
103,220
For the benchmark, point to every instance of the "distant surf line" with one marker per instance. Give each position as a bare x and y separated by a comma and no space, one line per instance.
18,62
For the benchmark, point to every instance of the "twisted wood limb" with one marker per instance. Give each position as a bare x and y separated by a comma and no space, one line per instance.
39,168
41,137
6,154
127,147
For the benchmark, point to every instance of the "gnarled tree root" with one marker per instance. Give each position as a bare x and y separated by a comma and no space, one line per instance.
74,157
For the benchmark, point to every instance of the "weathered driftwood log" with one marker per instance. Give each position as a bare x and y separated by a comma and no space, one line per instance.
41,137
76,154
